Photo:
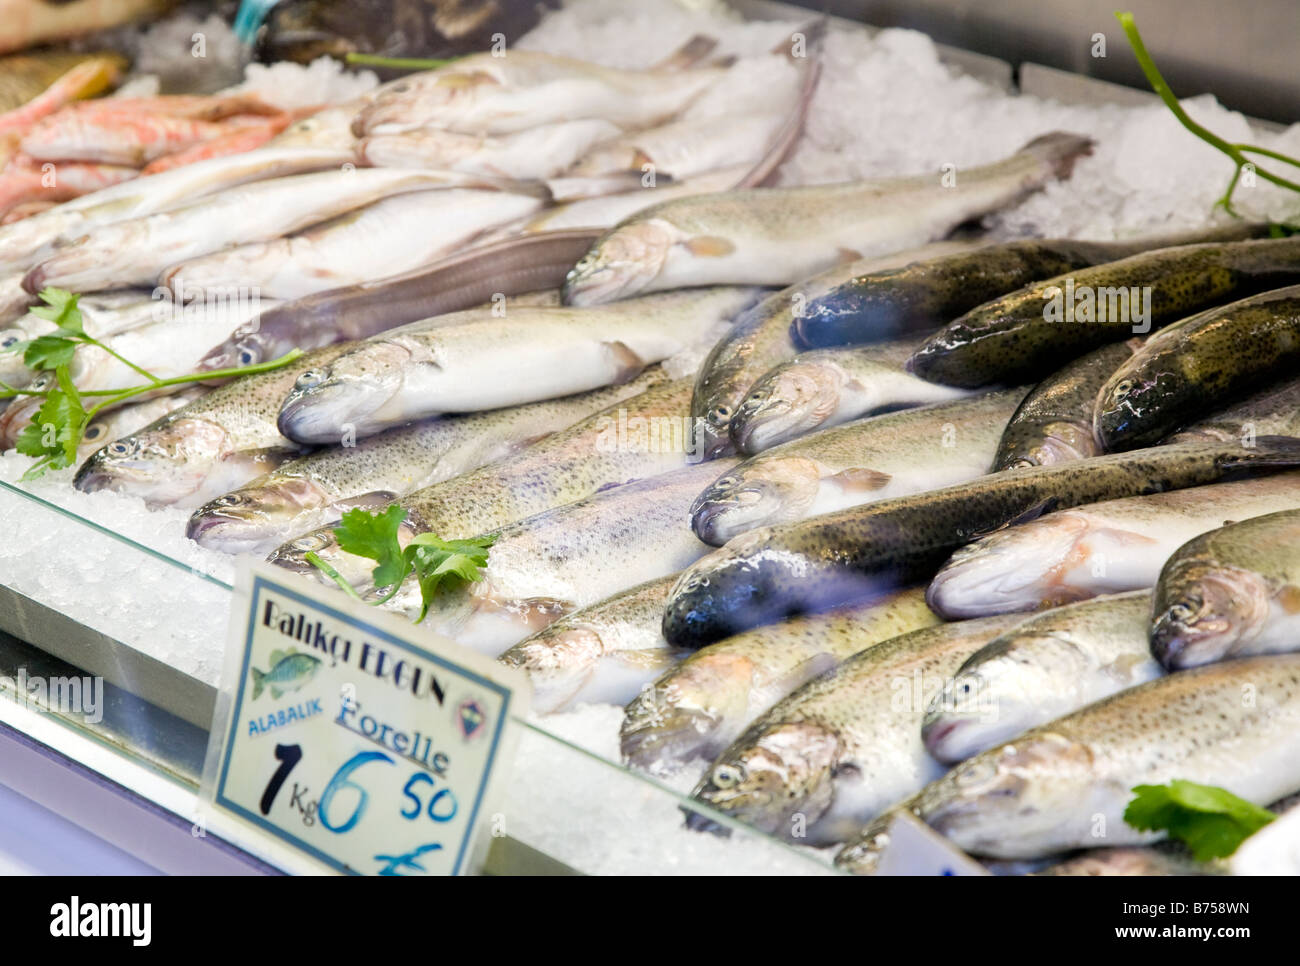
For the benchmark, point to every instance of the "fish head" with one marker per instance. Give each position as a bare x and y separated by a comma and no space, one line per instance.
81,263
558,661
324,544
248,345
998,694
1204,613
329,403
1017,569
254,518
621,264
687,714
168,463
1060,441
862,856
772,778
1130,407
1025,785
13,371
762,493
786,403
409,103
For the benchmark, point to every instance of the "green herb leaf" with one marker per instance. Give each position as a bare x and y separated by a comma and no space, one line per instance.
61,309
445,563
1211,821
48,352
53,434
374,536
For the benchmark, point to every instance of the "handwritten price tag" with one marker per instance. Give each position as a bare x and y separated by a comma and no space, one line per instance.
354,736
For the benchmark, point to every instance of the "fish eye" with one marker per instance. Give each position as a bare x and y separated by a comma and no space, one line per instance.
312,541
727,776
9,339
93,432
120,448
310,379
248,356
720,413
1123,387
727,482
1182,611
976,773
230,499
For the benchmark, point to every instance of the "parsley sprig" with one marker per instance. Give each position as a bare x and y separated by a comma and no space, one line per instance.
55,432
1211,821
435,563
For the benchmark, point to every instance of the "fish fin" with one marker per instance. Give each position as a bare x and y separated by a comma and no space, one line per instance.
696,48
805,671
861,478
1267,451
371,500
1033,512
276,693
1289,598
710,246
1060,150
847,255
277,656
630,365
640,159
258,678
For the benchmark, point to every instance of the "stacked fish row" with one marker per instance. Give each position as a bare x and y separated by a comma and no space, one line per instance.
812,564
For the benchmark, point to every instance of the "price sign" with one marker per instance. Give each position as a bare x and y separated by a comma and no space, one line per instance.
353,735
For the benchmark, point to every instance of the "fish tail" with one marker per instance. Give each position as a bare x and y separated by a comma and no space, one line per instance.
258,683
1060,150
1269,451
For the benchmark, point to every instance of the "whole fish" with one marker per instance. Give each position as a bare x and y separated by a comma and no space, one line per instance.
1065,785
496,271
760,339
878,458
116,423
823,388
168,345
838,751
483,93
884,304
1054,423
771,573
204,449
1270,412
24,243
136,251
781,235
1044,668
434,366
695,710
389,237
544,151
604,653
552,564
312,491
1230,592
1197,366
1099,548
1041,326
120,137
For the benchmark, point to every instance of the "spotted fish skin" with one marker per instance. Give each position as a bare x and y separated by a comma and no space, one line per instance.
1015,338
772,573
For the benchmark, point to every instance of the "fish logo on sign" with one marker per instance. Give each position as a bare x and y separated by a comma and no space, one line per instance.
470,718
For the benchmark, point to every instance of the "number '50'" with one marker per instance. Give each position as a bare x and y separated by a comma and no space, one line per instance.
441,807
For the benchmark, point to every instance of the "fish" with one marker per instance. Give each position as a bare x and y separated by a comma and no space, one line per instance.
602,451
312,491
1230,592
121,137
837,558
205,448
192,107
693,711
389,237
1155,859
1054,423
834,754
124,420
928,292
138,250
50,78
545,151
244,138
602,654
779,236
1044,668
483,93
92,76
823,388
550,565
604,211
168,345
435,366
14,299
760,340
1274,411
289,671
1037,328
24,181
24,243
452,284
1199,365
1099,548
1065,785
872,459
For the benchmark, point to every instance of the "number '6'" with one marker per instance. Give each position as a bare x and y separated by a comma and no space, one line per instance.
340,781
